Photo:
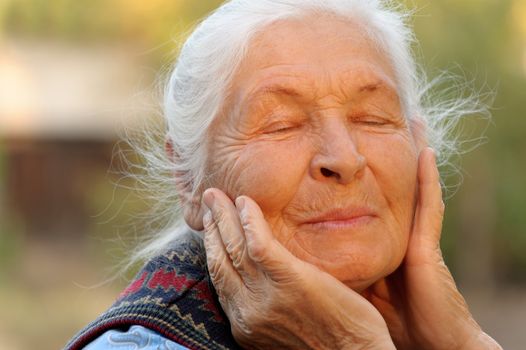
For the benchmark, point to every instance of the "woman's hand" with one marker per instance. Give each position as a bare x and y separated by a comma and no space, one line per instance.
274,300
420,301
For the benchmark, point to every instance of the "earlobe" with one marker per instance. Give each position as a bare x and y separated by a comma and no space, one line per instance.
193,215
191,207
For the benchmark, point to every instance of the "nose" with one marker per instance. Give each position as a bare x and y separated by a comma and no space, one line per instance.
337,158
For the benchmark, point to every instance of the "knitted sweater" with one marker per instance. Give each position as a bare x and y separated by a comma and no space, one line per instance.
173,296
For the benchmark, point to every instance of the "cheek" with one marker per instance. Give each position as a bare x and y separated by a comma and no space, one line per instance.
270,173
393,160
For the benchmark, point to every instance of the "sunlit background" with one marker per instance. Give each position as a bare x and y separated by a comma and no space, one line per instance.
74,73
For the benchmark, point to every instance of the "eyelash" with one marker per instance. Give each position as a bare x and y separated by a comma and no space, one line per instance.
370,121
279,127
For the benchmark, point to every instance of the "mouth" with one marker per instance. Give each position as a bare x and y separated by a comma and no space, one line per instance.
349,218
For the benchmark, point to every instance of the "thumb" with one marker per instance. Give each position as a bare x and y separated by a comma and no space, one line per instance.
263,248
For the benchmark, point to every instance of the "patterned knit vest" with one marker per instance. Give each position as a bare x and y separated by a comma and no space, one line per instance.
173,296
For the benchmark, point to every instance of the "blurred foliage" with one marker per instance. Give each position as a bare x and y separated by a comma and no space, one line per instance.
11,236
5,246
488,40
153,24
484,39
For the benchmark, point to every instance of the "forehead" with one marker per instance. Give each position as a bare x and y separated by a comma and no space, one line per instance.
321,52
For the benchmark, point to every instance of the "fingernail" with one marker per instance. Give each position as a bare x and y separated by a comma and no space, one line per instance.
209,199
240,204
433,153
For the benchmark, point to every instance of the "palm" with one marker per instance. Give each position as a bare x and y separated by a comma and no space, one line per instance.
414,298
385,295
420,302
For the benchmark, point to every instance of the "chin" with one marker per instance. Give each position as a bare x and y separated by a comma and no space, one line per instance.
358,262
361,284
360,278
358,286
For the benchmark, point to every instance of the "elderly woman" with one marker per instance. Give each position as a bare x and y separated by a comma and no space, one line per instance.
298,145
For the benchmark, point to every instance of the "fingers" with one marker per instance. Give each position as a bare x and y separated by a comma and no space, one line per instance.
225,278
247,239
430,207
262,246
226,219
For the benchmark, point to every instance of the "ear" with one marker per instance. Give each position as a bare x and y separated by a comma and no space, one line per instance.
191,206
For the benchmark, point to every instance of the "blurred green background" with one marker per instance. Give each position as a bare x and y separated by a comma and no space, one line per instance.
74,73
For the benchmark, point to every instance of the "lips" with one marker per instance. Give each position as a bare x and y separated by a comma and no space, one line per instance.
351,217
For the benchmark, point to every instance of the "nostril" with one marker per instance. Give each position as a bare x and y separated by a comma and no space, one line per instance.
327,173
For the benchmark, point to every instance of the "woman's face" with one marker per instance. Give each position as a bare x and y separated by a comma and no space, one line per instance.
314,133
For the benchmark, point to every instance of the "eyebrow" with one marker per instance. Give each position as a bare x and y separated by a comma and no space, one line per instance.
371,87
273,89
283,90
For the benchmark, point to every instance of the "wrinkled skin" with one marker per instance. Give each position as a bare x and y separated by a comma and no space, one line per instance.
274,300
313,125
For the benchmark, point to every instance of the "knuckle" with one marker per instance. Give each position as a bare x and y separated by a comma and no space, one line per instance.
245,323
235,249
208,225
238,260
241,331
220,216
208,240
214,270
224,301
258,253
248,220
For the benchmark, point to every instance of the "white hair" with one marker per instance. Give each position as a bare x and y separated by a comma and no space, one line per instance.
197,85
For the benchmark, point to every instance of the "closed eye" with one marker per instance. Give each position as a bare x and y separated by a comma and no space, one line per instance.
373,122
280,128
370,121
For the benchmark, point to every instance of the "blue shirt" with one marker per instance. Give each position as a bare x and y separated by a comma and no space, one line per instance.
135,338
